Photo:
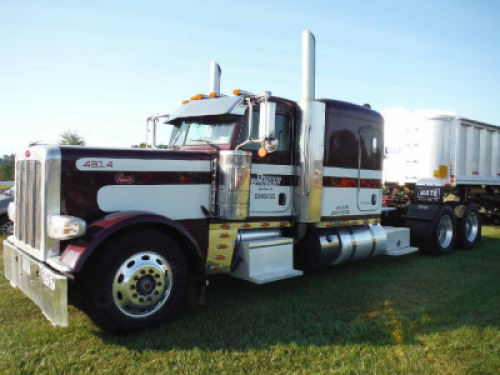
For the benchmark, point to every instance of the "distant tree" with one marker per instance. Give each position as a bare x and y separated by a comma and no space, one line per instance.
6,159
71,138
143,145
7,171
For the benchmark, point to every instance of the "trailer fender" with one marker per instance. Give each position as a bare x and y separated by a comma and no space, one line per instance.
76,253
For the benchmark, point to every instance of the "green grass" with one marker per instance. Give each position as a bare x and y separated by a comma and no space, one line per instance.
4,187
414,314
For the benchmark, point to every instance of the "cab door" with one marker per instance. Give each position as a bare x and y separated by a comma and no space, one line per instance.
272,176
370,173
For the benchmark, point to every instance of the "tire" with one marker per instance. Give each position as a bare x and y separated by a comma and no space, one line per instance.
138,282
6,226
443,232
469,227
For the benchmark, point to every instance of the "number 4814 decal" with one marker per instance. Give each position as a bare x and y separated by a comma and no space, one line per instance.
97,164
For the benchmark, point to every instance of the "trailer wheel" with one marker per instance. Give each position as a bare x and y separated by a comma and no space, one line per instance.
443,231
139,282
469,227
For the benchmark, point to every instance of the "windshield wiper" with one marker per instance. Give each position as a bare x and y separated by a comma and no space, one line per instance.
206,142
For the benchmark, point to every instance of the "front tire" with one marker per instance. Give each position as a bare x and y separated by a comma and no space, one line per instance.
469,227
138,282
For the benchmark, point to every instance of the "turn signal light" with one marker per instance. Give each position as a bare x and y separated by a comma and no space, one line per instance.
262,152
66,227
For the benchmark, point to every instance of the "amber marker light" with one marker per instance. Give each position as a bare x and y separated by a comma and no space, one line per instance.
222,246
236,92
220,257
265,224
246,225
193,98
213,95
224,235
262,152
284,224
225,226
199,96
185,102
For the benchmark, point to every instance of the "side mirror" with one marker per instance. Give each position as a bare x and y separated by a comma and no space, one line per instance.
267,125
267,120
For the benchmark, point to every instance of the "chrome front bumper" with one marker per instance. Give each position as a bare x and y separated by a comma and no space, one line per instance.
44,286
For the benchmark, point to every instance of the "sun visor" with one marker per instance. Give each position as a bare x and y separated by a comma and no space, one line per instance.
210,107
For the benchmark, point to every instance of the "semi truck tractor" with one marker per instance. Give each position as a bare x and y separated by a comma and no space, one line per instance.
255,186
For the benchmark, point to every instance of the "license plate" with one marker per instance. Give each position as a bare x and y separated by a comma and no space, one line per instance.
48,279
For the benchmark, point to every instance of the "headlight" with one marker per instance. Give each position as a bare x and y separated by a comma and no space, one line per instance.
66,227
11,211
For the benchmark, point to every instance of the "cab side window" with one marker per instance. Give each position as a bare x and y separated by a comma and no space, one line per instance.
282,132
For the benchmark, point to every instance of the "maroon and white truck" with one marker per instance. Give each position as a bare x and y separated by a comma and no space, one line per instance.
254,186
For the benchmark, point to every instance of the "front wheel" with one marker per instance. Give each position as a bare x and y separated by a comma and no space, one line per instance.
138,282
469,227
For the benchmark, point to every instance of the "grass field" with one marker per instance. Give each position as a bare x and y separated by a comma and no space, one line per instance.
415,314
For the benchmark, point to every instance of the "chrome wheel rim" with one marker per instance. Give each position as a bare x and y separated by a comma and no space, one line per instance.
142,284
8,228
471,227
445,231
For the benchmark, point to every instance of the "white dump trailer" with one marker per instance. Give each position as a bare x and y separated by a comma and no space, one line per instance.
440,169
424,146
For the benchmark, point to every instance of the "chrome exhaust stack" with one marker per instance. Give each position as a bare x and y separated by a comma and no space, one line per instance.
312,137
215,73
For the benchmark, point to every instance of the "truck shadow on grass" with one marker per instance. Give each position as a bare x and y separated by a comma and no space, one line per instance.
388,301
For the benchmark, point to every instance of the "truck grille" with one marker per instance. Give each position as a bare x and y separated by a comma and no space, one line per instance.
28,202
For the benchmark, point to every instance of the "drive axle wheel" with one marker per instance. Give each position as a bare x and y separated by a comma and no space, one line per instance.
443,231
138,282
469,227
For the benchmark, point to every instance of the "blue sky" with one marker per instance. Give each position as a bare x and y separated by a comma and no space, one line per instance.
101,69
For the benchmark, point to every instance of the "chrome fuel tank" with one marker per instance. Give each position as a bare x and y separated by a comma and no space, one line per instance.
342,245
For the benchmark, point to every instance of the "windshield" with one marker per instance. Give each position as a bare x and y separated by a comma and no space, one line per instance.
203,130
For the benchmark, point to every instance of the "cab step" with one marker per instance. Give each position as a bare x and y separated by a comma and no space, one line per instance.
263,257
398,241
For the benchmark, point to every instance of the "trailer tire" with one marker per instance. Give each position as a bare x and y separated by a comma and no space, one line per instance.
469,227
138,282
443,232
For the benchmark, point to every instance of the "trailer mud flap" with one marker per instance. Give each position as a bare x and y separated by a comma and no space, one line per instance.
419,219
47,288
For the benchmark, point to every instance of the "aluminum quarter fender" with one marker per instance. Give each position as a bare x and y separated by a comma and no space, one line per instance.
78,251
